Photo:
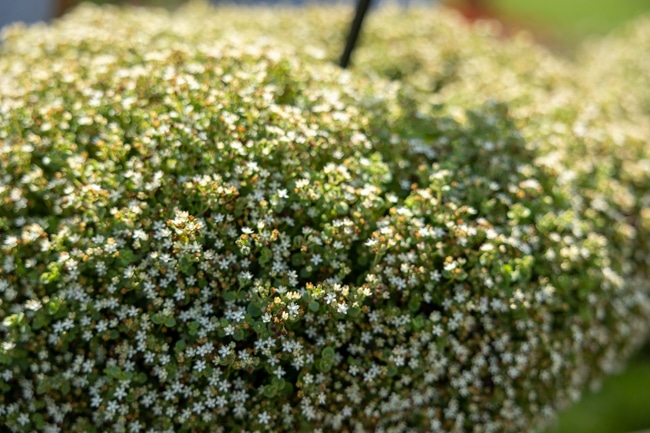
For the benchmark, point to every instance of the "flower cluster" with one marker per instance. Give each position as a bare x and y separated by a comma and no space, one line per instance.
204,231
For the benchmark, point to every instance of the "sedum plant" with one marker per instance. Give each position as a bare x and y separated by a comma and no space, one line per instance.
205,231
615,70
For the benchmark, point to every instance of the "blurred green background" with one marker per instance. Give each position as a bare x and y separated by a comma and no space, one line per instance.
623,403
560,24
574,18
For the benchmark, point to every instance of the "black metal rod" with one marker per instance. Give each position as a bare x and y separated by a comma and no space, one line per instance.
355,29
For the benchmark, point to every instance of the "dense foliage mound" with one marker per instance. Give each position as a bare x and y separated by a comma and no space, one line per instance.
204,231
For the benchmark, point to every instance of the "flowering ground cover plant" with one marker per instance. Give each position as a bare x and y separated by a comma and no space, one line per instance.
232,235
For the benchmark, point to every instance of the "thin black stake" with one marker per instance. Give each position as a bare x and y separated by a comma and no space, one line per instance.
355,29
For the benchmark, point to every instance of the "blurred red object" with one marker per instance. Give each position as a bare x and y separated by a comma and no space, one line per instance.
479,10
473,10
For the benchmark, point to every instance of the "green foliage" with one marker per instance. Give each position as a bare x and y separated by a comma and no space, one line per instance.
619,405
202,231
575,18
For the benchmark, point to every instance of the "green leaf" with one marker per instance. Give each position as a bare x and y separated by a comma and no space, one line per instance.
186,265
298,259
141,378
259,327
254,309
418,322
113,371
341,208
180,346
414,304
54,305
14,320
127,256
287,390
53,273
354,312
269,391
265,256
278,383
38,420
324,365
328,353
40,320
193,328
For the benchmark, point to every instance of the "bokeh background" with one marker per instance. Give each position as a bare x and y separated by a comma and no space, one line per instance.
561,22
622,404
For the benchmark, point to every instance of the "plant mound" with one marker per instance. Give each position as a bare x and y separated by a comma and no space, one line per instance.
201,235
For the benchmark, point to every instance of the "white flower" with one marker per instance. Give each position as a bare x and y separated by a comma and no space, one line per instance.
199,365
329,298
23,419
279,372
293,308
316,259
120,393
264,418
